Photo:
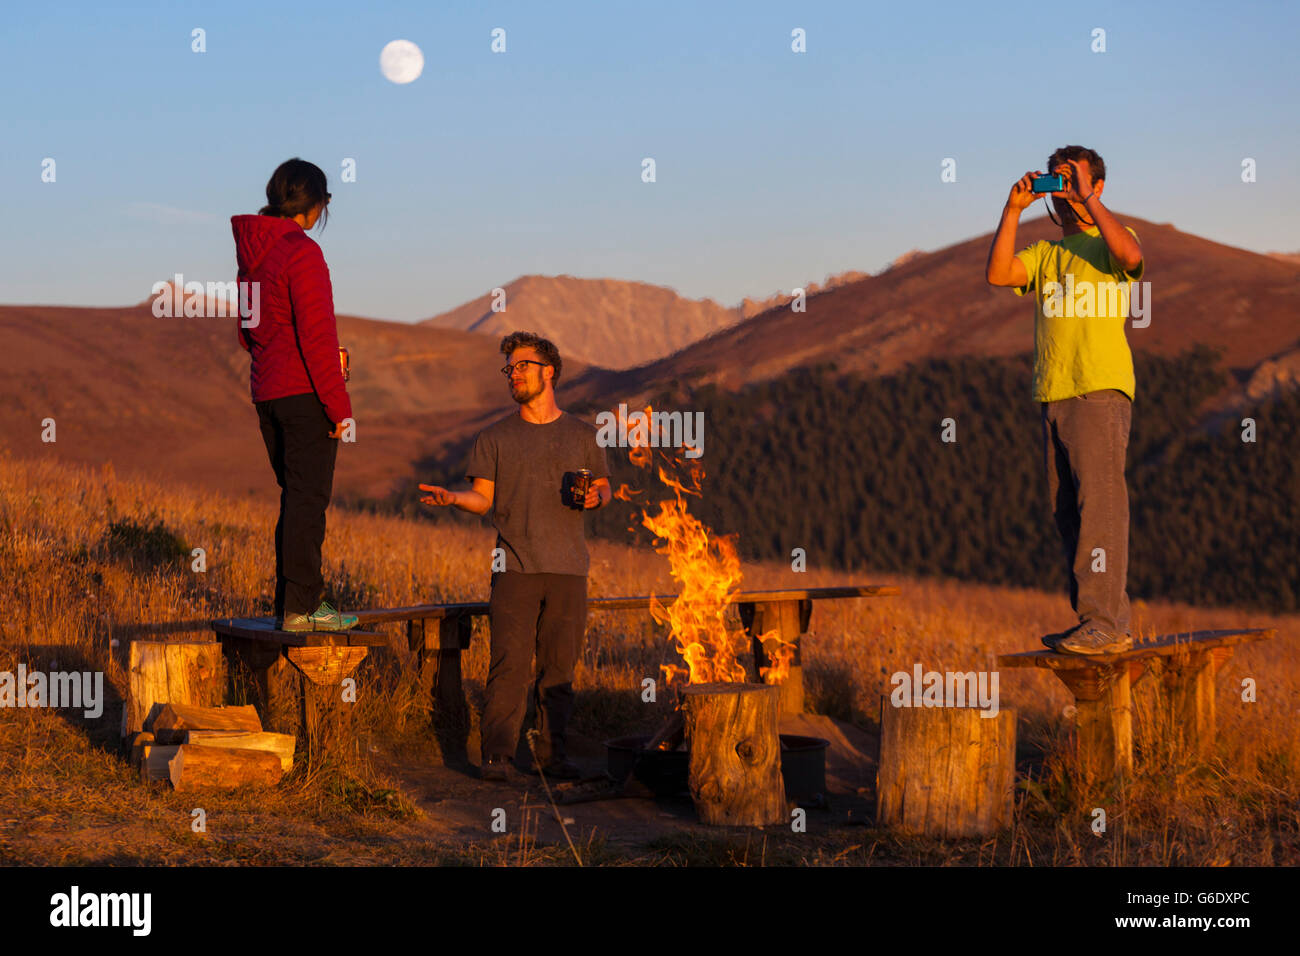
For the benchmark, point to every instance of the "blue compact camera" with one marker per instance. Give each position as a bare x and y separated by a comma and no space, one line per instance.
1054,183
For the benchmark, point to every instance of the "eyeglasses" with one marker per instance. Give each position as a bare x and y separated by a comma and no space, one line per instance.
510,369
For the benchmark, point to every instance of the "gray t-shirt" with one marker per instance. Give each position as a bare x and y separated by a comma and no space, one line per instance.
528,463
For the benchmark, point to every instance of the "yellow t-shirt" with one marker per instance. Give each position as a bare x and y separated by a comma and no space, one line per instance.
1080,310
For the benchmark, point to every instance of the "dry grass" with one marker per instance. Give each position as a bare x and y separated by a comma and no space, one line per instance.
87,559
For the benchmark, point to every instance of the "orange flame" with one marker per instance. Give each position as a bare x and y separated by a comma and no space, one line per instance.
707,568
780,655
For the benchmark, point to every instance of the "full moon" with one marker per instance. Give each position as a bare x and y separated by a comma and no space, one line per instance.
401,61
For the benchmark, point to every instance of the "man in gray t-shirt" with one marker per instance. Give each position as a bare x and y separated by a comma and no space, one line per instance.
528,464
522,469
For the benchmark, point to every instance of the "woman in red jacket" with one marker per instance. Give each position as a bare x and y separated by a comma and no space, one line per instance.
296,378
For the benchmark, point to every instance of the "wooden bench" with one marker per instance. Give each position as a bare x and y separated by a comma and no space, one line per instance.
437,634
1102,689
291,673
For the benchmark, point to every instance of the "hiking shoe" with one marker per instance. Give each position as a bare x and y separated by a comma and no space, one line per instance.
1092,639
496,769
324,618
1051,640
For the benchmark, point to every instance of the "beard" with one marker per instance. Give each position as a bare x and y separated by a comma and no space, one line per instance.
523,394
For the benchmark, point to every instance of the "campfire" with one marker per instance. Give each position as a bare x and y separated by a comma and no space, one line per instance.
731,724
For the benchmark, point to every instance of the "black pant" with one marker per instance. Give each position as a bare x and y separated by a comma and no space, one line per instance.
296,431
544,614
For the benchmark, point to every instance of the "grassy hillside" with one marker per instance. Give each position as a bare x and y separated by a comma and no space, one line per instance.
87,559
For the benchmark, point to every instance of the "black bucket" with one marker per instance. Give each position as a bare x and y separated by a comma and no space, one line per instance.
666,772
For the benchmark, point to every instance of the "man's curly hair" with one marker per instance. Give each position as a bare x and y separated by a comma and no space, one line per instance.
1096,164
531,340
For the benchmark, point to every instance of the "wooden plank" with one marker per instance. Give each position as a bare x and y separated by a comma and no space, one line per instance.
177,718
282,745
753,597
263,629
420,612
1167,645
633,603
160,672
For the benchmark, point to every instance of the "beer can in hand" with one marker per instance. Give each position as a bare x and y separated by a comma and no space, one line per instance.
345,363
581,485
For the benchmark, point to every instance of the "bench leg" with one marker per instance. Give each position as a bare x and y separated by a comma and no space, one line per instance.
261,675
1189,682
437,659
1104,719
790,620
326,716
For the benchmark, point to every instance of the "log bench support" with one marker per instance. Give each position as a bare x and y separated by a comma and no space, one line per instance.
1103,704
790,620
1103,700
295,680
1189,686
437,644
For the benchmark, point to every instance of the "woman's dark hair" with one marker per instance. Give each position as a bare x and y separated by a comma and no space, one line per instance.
296,187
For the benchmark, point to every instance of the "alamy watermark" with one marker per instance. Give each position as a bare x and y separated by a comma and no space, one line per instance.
1086,299
133,910
84,689
947,689
655,430
212,300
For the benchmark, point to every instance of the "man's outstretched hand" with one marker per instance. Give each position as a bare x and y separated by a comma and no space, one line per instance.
437,496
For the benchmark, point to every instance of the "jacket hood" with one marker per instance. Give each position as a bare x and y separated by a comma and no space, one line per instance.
255,235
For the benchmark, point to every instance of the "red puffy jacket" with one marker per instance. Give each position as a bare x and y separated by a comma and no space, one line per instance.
295,344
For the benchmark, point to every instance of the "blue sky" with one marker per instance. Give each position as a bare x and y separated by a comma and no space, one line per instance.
773,168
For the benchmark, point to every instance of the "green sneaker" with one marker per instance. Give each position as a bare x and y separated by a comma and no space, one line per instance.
324,618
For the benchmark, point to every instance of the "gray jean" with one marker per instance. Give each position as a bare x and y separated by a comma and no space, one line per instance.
1085,440
542,615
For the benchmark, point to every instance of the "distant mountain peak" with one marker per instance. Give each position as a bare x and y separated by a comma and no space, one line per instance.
613,323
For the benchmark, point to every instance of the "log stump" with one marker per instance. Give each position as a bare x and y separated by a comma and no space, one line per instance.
735,747
170,672
945,771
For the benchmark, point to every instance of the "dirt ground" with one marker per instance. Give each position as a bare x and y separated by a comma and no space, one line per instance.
459,807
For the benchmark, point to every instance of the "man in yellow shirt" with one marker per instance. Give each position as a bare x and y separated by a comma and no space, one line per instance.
1083,378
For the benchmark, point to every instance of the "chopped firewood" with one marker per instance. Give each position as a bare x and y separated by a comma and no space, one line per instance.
197,767
281,745
170,725
154,759
139,742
